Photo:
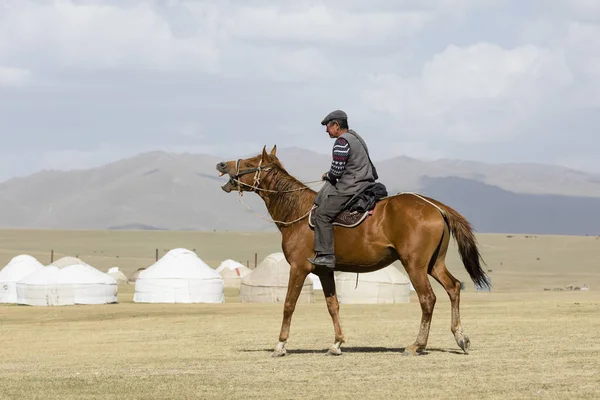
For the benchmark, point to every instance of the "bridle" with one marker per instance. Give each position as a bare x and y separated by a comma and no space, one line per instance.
234,179
255,181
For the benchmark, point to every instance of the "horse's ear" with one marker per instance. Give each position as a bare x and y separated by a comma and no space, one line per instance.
265,156
274,150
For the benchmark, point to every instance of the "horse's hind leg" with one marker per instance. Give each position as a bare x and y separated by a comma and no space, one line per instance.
328,283
417,272
295,284
441,274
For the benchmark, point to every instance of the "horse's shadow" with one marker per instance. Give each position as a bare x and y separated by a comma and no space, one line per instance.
359,350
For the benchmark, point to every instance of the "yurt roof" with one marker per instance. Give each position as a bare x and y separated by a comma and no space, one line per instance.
22,258
19,267
231,265
67,261
177,252
179,264
389,274
118,275
274,270
278,257
72,274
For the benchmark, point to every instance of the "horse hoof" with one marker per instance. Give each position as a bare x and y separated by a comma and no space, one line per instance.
464,344
278,353
410,351
279,350
333,351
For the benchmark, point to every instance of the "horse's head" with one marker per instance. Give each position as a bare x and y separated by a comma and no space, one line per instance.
246,174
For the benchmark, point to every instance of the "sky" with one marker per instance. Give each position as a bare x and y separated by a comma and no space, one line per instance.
83,83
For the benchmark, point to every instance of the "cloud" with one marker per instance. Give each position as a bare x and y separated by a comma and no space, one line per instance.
461,90
292,65
14,76
484,71
322,25
68,35
583,10
427,78
582,46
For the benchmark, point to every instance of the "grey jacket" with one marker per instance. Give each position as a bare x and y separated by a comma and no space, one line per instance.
359,173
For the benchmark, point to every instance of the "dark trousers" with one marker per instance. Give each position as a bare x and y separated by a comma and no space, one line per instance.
330,206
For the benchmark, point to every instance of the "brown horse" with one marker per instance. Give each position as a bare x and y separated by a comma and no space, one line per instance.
407,227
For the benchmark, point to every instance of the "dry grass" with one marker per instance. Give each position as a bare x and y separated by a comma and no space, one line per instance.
526,342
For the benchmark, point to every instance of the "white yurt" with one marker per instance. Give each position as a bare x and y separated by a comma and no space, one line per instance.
17,268
232,273
387,285
118,275
268,282
180,276
66,285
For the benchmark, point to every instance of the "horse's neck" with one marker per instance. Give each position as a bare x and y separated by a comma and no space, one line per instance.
292,200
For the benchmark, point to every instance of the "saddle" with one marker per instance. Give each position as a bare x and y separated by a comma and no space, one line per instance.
358,208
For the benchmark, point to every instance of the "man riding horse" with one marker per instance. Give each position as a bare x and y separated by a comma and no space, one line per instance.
408,226
351,172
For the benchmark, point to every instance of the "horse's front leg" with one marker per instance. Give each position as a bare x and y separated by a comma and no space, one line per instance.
328,283
295,283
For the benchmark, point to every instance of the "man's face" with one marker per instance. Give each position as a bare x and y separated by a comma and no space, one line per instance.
333,129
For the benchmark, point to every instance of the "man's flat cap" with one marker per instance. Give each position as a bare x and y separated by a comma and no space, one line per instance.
337,114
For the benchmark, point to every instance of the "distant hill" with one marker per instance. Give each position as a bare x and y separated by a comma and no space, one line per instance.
159,190
491,209
518,178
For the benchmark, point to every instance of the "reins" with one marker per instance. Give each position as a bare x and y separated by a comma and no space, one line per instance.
255,187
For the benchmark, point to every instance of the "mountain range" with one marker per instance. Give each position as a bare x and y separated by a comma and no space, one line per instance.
159,190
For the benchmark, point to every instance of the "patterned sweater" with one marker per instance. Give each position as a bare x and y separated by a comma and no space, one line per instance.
341,151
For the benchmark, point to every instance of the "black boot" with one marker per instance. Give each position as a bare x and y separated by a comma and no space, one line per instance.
325,260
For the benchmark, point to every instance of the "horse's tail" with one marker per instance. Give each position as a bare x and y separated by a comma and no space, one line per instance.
467,246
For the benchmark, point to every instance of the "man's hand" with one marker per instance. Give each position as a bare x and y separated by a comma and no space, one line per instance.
324,177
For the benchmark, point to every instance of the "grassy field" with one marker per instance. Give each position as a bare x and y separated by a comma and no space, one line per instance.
527,342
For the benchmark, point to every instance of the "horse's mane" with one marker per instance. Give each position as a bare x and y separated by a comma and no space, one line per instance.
290,202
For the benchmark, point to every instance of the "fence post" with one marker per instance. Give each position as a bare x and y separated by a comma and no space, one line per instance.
156,254
255,259
52,256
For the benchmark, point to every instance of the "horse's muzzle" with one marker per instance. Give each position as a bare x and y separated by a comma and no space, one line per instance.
223,170
228,187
